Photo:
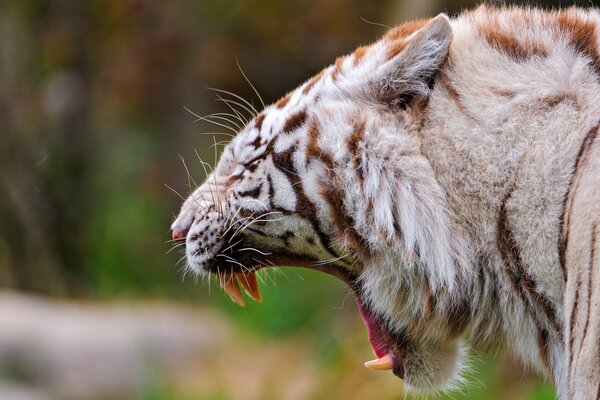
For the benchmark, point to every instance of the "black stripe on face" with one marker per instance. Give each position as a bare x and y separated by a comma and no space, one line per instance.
295,121
253,193
304,207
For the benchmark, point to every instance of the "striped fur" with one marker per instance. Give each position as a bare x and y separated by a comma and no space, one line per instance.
451,173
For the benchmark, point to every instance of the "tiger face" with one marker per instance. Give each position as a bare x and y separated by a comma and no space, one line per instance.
331,178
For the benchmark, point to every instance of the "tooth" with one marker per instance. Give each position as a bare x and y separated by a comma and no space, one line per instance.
231,287
384,363
250,284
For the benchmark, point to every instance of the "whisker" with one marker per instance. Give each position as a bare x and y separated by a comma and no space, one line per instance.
257,219
219,143
228,102
204,165
187,171
223,116
174,247
236,114
237,97
250,83
175,191
218,133
236,243
234,261
329,261
256,250
207,119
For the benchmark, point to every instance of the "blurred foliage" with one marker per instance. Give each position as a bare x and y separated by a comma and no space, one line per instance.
92,97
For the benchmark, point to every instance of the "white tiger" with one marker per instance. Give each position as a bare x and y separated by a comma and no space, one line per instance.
450,175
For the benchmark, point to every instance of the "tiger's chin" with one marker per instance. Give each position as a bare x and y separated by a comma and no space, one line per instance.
423,366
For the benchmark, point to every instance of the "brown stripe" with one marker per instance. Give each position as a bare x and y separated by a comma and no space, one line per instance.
509,44
359,54
295,121
304,207
565,218
258,121
396,48
590,282
553,101
332,192
313,150
448,86
582,36
256,142
354,143
522,283
337,68
405,30
283,101
429,300
543,346
572,327
313,82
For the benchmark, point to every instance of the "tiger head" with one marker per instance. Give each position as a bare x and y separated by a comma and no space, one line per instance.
331,177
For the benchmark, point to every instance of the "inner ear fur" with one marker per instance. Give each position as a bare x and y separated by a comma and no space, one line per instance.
412,62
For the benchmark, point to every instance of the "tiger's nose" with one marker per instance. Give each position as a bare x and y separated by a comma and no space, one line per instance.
179,234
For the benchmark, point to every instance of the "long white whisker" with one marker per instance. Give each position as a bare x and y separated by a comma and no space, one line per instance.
237,97
207,119
175,247
187,171
250,83
228,102
223,116
235,118
256,250
234,261
204,165
218,133
252,111
236,243
238,115
248,224
175,191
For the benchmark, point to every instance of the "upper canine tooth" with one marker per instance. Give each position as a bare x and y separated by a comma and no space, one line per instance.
231,287
250,284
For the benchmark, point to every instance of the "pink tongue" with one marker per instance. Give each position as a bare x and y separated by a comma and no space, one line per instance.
375,336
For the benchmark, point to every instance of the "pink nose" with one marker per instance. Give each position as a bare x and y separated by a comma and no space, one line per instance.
178,234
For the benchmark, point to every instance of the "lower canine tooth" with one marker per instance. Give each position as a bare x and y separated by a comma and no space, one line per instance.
384,363
249,282
231,287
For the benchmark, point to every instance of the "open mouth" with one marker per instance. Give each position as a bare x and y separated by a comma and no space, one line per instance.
235,268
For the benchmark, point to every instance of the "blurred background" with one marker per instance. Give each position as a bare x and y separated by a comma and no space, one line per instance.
94,137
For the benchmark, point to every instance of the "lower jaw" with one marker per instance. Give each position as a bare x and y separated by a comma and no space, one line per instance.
388,348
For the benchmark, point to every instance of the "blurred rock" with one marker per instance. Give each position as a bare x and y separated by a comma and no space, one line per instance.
58,350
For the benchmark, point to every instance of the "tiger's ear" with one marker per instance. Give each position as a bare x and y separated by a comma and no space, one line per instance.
401,66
